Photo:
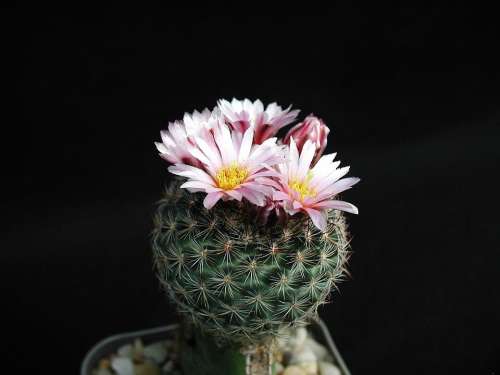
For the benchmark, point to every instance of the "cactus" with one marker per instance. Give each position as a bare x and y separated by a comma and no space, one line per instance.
265,257
237,280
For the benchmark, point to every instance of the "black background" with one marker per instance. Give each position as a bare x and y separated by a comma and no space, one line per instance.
412,98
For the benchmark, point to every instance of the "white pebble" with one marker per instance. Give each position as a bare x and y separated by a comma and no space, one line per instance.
156,352
138,350
125,351
298,340
305,355
326,368
294,370
122,366
319,350
310,368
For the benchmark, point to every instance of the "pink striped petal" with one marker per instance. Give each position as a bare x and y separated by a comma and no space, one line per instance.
161,148
252,196
280,196
268,181
200,185
212,155
234,194
294,159
318,218
265,173
191,172
225,144
338,205
258,188
306,157
337,188
331,178
246,145
211,199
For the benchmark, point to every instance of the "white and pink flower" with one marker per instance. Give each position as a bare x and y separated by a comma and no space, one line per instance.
175,145
230,169
178,141
242,114
230,153
312,190
313,129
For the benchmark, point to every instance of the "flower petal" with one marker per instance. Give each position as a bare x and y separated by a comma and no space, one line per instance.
213,157
338,205
246,145
252,196
280,196
268,181
211,199
344,184
225,144
199,185
191,172
235,194
318,218
294,160
306,157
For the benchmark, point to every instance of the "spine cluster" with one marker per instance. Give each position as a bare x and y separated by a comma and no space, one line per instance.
240,281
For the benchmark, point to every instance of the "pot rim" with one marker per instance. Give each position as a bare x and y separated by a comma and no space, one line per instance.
89,358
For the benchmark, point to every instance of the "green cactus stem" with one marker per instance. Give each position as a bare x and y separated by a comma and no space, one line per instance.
238,282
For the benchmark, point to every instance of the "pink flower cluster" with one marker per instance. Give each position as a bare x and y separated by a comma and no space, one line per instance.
232,152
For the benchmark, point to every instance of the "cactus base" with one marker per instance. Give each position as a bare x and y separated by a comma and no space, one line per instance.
202,356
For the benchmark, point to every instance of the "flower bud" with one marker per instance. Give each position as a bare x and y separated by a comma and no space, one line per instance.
312,128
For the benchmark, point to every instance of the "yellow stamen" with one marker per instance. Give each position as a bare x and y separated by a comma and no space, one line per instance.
302,187
231,176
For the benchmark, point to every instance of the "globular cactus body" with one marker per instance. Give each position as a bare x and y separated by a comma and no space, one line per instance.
240,281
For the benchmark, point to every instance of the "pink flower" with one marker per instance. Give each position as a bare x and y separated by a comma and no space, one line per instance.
229,153
312,190
313,129
244,114
178,141
230,167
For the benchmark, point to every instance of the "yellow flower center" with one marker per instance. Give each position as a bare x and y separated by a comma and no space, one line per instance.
231,176
302,187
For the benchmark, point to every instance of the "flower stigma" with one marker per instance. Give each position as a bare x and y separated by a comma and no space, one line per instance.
231,176
302,187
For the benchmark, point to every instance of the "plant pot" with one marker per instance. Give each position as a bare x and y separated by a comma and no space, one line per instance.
110,344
